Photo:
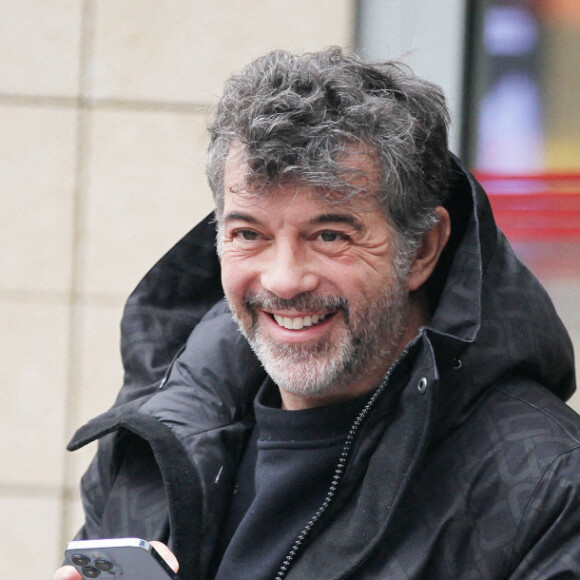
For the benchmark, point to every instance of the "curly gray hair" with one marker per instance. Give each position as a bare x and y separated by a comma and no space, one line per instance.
297,117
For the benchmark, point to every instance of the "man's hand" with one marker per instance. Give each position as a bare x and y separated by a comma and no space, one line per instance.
70,573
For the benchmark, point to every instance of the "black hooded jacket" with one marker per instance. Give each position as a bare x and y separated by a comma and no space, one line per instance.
465,463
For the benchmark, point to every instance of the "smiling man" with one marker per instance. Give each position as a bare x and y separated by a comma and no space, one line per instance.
393,405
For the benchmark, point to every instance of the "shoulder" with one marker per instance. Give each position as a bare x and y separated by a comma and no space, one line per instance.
518,440
520,428
531,411
541,433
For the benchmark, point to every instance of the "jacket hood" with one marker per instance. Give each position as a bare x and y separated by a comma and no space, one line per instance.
489,312
493,318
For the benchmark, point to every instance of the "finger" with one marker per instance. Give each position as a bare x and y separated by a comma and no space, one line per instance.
166,554
67,573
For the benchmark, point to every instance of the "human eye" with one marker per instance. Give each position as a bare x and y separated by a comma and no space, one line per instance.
331,242
246,235
246,239
330,236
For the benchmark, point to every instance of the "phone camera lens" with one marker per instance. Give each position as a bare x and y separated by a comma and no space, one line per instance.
80,560
103,565
90,572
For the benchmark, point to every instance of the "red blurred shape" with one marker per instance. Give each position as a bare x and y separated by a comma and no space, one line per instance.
535,207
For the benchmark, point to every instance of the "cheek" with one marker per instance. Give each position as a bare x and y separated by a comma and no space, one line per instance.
361,285
354,275
228,276
235,279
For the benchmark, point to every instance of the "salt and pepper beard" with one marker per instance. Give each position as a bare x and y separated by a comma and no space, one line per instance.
367,339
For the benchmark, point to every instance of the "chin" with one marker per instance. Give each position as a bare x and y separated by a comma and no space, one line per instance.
318,369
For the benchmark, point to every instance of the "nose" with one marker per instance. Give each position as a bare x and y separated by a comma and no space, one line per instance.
287,272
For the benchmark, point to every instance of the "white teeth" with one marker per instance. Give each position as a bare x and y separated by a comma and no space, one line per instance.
298,323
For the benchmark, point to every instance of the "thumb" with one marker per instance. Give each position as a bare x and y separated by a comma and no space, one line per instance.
67,573
166,554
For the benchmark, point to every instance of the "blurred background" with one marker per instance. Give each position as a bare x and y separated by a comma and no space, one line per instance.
103,108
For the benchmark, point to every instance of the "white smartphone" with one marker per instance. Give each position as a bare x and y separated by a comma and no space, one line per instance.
126,558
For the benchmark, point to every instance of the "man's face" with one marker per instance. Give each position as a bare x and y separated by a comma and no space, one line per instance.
312,286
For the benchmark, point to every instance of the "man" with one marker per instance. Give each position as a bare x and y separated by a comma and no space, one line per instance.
408,423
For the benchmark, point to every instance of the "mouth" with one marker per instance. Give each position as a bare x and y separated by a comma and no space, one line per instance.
300,322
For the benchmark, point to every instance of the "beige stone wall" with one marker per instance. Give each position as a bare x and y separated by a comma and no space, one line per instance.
103,107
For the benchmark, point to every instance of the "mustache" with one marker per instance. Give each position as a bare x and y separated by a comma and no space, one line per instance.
304,302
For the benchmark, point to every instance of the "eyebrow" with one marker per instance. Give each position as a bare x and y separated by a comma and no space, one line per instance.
340,218
239,216
322,219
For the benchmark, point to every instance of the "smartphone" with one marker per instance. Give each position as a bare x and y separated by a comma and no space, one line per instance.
126,558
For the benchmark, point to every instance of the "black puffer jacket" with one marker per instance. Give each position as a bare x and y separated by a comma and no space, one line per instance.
466,464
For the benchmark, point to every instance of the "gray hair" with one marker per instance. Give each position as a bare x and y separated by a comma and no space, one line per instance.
297,117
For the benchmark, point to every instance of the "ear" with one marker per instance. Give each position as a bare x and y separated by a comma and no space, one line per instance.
428,253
